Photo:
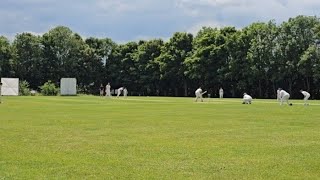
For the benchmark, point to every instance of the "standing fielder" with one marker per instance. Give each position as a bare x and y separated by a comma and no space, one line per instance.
247,99
0,92
108,92
125,92
306,96
199,94
278,94
119,91
101,90
221,92
284,96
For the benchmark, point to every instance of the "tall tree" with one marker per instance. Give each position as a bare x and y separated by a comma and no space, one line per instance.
294,38
102,48
6,58
209,60
29,56
262,58
147,66
171,60
123,68
59,44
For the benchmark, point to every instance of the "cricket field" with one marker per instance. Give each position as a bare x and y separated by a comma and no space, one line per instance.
88,137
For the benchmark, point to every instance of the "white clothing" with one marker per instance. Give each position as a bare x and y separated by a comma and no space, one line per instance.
284,96
108,92
125,92
306,96
221,93
119,91
0,95
247,99
198,94
278,94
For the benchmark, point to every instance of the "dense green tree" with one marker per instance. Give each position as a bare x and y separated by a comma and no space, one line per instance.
148,68
263,60
171,61
256,59
123,68
102,48
29,57
294,39
6,58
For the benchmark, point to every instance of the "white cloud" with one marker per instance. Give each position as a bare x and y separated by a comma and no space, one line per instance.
194,29
114,6
126,20
147,38
11,36
211,3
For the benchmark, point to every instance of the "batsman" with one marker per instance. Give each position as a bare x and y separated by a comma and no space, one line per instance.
199,94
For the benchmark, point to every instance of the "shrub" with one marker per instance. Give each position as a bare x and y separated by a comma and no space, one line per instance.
49,89
24,89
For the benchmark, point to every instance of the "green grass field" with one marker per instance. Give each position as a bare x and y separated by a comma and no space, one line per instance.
88,137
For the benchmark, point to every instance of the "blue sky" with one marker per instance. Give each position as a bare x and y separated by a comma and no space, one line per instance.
127,20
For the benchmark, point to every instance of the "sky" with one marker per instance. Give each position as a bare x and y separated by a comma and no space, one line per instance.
132,20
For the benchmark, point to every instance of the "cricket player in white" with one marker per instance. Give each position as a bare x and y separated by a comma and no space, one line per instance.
247,99
0,92
306,96
278,94
125,92
199,94
221,93
108,91
119,91
284,96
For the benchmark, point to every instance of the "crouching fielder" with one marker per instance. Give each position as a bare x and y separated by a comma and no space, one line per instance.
306,96
284,96
199,94
247,99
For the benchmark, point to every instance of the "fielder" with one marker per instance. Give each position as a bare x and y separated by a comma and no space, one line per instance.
119,91
108,92
221,93
101,90
247,99
284,96
125,92
0,92
278,94
306,96
199,94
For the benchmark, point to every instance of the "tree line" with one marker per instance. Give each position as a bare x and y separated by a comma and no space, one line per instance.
256,59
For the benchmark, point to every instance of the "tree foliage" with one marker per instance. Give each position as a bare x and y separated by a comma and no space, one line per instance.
256,59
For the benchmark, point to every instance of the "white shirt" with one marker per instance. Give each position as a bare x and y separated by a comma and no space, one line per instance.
108,87
221,91
283,93
305,93
120,89
199,91
247,97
